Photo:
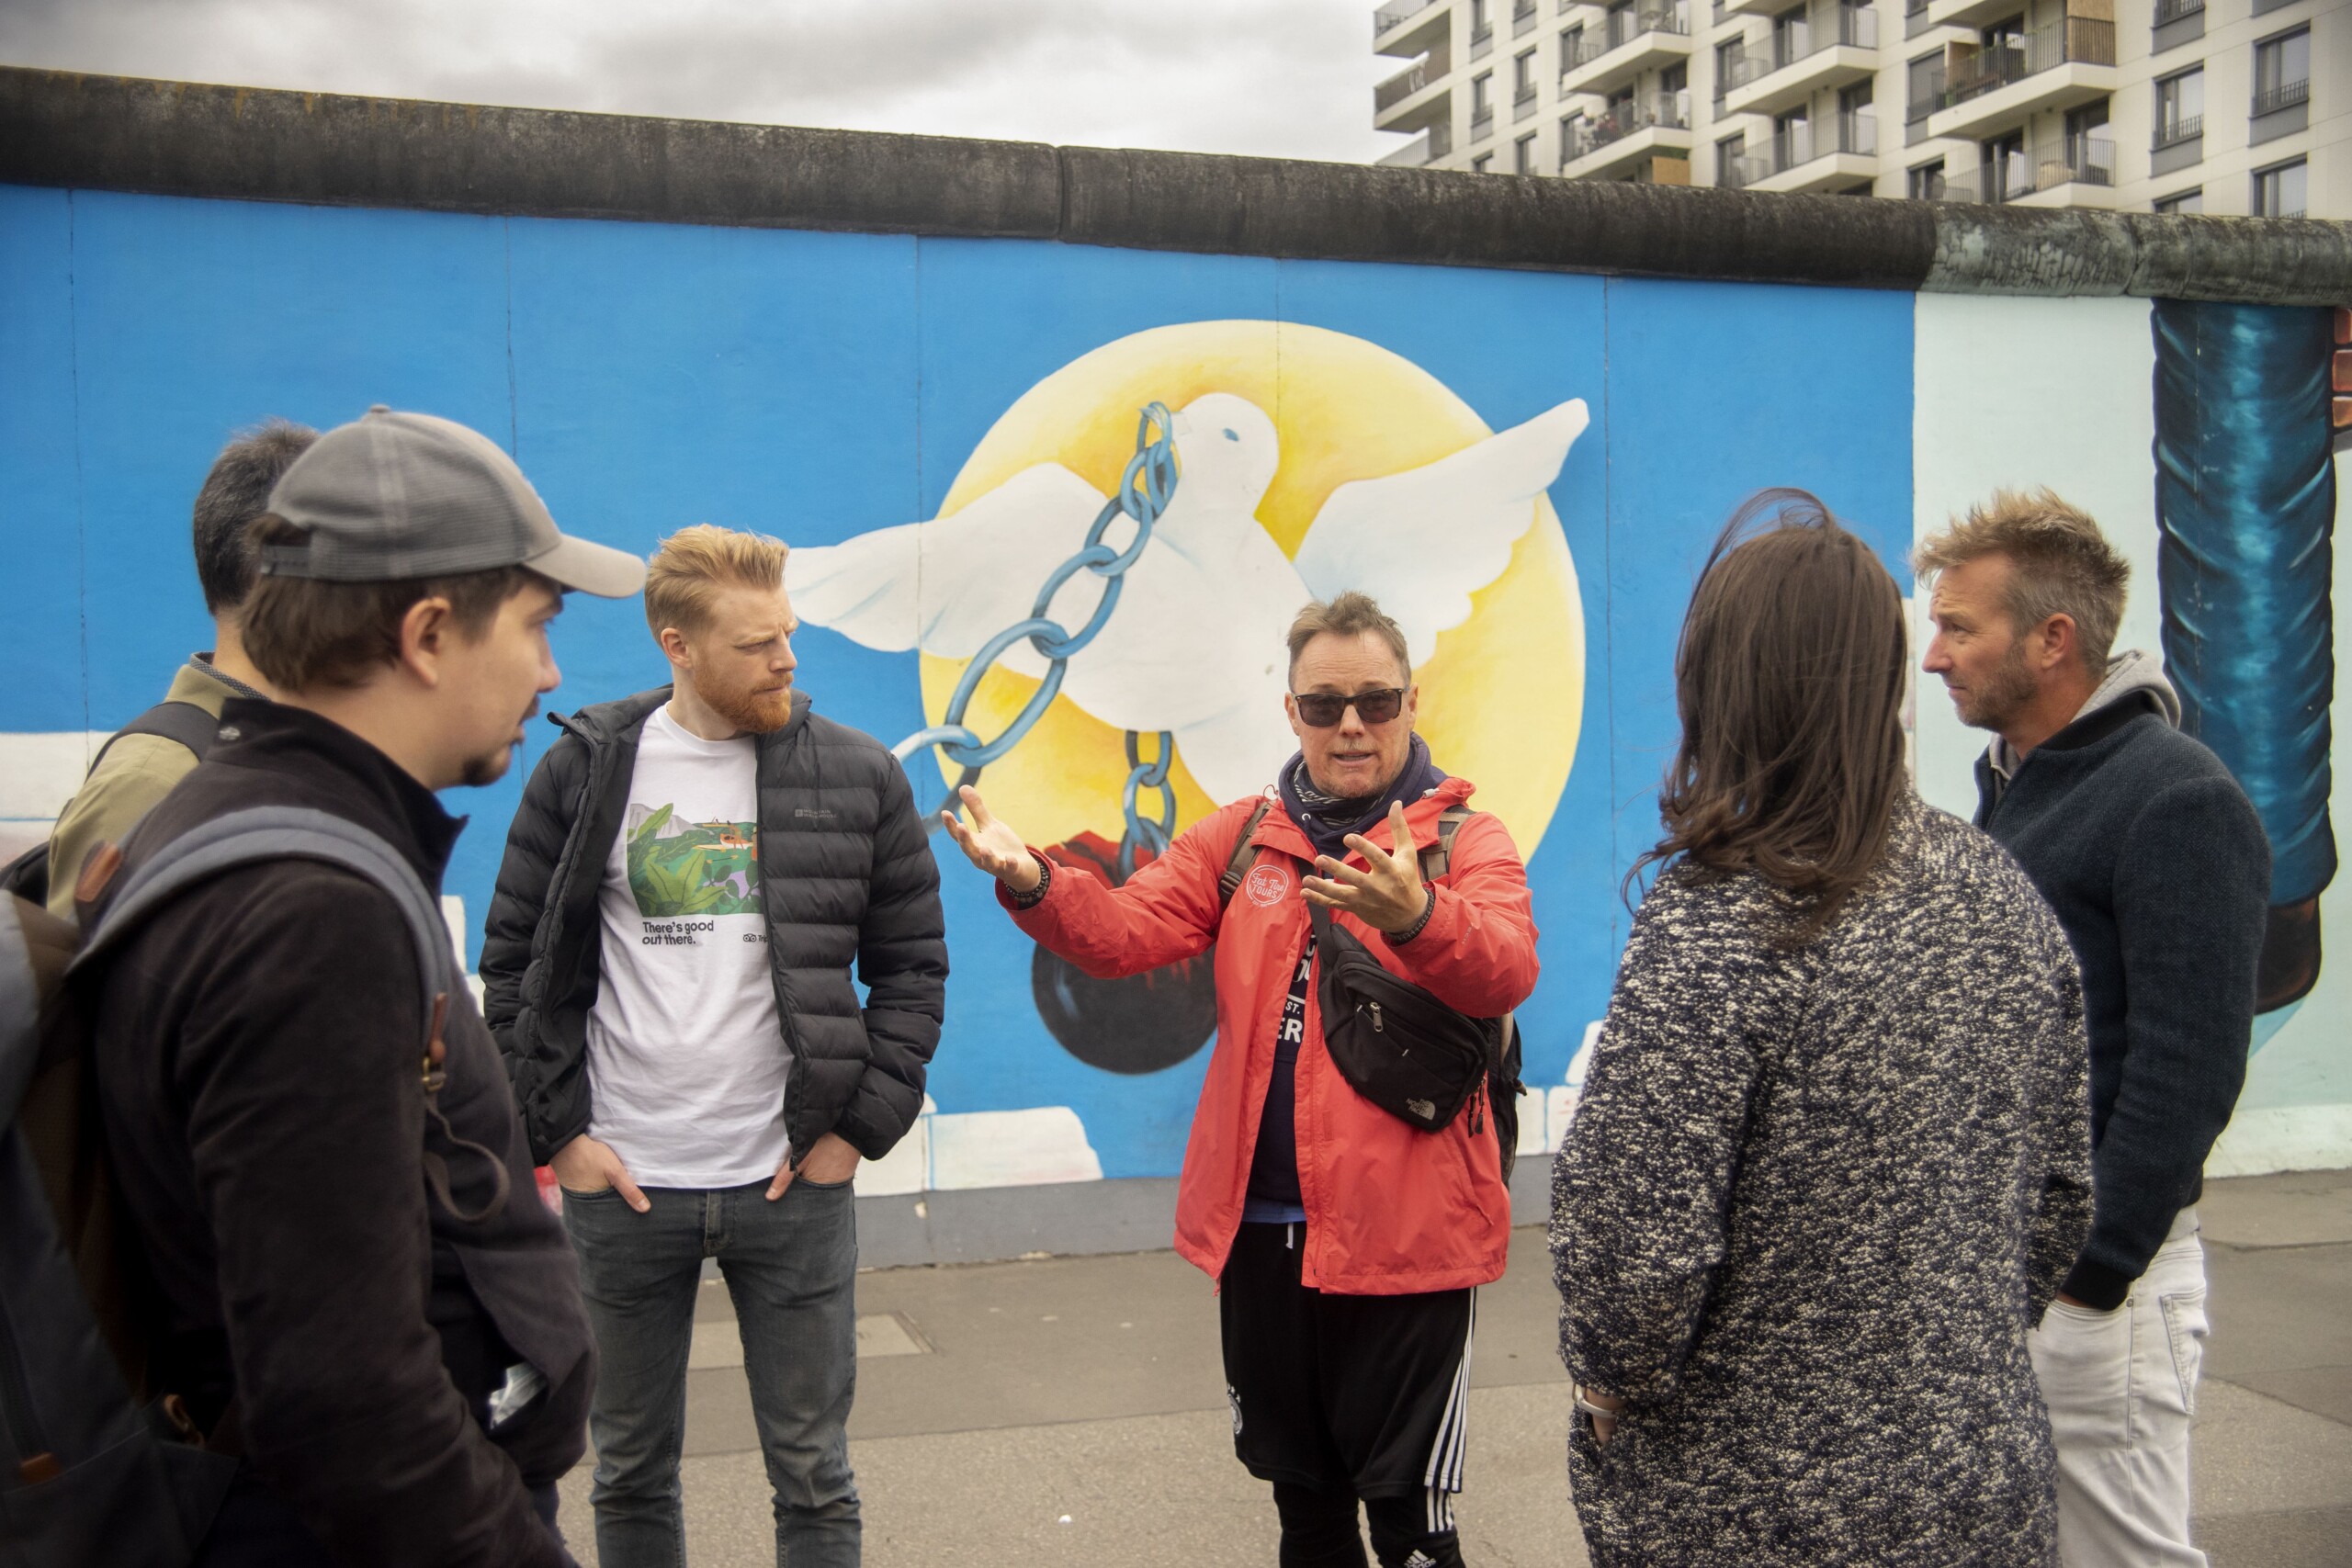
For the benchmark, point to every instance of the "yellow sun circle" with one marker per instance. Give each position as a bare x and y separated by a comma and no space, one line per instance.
1501,699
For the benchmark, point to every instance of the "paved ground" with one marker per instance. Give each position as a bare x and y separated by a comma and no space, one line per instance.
1071,1411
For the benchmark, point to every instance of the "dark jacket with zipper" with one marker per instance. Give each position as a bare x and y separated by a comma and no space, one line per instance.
846,878
2159,869
257,1045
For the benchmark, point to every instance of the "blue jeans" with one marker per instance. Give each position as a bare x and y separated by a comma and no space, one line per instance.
791,1267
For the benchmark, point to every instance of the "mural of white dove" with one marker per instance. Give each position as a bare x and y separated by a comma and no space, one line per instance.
1195,644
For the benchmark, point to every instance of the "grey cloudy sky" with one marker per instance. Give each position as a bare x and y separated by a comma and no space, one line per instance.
1286,77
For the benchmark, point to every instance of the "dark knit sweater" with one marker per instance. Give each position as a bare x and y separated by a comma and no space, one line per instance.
2157,867
1809,1209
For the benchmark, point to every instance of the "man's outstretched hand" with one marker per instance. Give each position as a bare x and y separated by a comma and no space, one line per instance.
1390,895
993,845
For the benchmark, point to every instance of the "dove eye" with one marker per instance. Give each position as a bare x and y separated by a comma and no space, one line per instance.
1229,435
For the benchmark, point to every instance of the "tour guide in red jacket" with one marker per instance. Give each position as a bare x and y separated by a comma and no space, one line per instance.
1345,1241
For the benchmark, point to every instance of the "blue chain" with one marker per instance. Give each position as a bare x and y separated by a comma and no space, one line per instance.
1144,490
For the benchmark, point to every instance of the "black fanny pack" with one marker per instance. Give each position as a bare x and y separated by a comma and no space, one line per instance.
1396,1044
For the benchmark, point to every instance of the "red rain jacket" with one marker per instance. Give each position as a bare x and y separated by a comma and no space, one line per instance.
1390,1209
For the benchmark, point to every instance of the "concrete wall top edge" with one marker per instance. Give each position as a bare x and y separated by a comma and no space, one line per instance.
118,133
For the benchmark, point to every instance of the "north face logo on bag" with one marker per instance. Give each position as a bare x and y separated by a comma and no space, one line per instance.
1267,884
1422,1109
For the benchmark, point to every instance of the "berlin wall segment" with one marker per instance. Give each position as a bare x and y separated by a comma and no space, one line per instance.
825,385
64,129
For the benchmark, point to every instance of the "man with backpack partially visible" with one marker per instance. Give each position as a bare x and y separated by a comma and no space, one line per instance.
142,763
356,1288
1347,1239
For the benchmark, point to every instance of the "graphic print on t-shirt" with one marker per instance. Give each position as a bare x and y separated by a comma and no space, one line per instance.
690,868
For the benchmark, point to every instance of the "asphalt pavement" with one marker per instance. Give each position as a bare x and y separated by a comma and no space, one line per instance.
1071,1411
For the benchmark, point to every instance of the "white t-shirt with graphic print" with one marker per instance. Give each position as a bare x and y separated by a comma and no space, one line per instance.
687,1060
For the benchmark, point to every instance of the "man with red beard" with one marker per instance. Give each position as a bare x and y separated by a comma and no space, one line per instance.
689,878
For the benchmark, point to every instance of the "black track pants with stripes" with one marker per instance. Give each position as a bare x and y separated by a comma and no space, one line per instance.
1348,1397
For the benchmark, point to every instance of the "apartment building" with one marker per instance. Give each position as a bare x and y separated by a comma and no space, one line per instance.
2169,105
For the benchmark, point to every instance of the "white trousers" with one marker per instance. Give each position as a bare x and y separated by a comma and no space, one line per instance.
2121,1387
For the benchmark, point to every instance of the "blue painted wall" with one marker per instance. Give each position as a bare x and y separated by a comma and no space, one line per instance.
817,386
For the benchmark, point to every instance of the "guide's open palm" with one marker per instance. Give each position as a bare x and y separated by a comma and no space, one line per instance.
991,844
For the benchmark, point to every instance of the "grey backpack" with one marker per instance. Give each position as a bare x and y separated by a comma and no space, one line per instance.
91,1469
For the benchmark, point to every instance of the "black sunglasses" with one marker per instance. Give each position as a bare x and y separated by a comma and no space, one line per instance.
1321,710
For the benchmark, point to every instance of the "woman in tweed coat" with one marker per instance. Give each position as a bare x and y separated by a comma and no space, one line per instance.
1833,1155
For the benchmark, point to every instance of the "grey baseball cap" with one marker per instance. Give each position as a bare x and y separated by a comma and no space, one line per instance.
393,497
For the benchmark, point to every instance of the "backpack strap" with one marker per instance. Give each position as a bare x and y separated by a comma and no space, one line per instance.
173,720
1237,866
1439,856
282,832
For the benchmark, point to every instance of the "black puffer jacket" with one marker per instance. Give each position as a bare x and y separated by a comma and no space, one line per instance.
845,875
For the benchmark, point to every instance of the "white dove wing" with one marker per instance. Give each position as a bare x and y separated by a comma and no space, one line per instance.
950,584
1422,541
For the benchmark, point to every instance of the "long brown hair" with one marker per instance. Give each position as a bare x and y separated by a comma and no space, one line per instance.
1789,680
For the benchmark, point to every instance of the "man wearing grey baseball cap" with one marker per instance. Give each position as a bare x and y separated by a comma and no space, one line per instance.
358,1291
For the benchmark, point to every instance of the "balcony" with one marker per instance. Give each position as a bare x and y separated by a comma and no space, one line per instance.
2285,96
1523,17
1915,17
1523,103
1482,124
1629,134
1801,60
1399,96
1758,7
2054,67
1431,145
1482,40
2279,110
2077,171
1805,156
1630,43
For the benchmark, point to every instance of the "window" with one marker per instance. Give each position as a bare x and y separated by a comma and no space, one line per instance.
1522,156
1925,183
1729,152
1925,86
2183,201
1674,95
1482,94
1571,50
1857,119
1727,66
2180,106
2005,169
1479,22
2282,71
1522,77
1791,36
1620,22
1576,138
2279,192
1483,163
2089,150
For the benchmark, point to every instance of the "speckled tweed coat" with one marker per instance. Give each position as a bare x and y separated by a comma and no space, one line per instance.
1809,1207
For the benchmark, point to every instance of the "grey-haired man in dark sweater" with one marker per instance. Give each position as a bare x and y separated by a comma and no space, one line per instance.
2156,866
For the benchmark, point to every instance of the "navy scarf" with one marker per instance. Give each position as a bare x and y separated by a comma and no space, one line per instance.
1327,820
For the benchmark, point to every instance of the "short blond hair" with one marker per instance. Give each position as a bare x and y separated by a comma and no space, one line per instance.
1347,614
2064,565
685,574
